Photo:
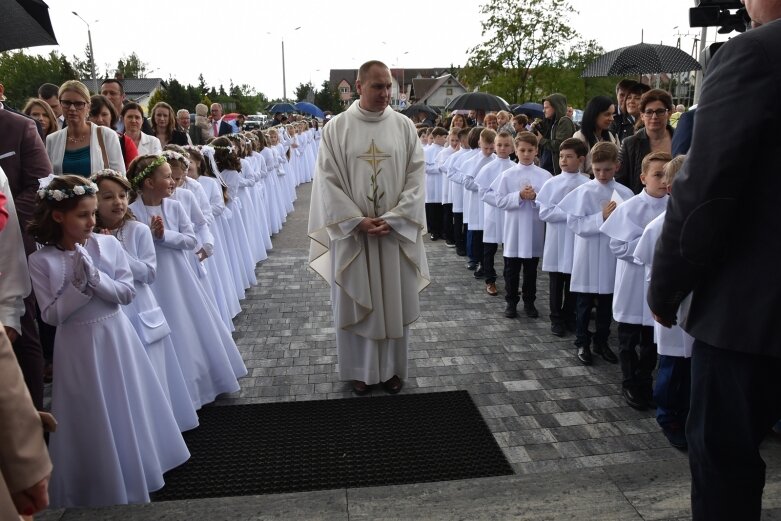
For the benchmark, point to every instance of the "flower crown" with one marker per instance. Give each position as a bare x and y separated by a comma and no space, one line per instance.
146,172
107,172
64,193
176,156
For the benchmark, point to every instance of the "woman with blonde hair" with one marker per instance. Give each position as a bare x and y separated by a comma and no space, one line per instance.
41,112
164,125
82,147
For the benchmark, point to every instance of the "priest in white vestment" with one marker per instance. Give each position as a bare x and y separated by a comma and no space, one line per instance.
366,225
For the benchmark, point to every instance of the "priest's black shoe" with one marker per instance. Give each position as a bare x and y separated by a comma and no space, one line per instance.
531,311
606,353
584,355
557,329
393,386
511,311
360,388
633,400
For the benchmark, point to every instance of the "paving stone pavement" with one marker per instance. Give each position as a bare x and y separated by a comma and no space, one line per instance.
578,451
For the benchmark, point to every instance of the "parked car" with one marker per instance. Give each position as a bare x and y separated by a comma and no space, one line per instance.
255,121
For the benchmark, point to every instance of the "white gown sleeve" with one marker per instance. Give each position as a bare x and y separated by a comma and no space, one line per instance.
56,305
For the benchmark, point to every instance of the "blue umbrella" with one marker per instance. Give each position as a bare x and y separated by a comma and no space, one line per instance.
281,107
533,110
308,108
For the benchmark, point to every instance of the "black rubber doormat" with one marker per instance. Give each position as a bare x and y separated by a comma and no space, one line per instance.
314,445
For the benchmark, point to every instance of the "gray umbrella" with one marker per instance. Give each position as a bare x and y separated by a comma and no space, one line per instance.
25,23
643,58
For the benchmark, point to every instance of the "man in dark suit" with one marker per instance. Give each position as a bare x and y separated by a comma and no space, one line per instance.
220,126
24,160
721,242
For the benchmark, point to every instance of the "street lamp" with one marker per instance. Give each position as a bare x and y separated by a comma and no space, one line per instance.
91,50
284,84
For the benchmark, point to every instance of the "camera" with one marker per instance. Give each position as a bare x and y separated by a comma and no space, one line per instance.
718,13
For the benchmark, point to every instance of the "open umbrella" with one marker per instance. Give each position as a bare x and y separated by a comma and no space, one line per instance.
25,23
309,108
281,107
533,110
643,58
478,101
417,108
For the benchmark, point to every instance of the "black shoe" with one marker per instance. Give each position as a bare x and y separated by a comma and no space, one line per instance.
433,237
471,265
460,253
511,311
676,437
557,329
530,310
450,244
584,355
633,400
479,274
606,353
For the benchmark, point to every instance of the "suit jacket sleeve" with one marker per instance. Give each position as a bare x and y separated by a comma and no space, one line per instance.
35,165
24,460
715,209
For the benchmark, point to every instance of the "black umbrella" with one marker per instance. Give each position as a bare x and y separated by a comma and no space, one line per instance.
417,108
25,23
643,58
478,101
531,109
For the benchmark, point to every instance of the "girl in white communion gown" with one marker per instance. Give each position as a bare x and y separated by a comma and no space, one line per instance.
209,358
116,434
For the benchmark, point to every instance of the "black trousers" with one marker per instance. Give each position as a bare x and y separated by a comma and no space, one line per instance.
584,303
447,222
474,243
637,355
562,302
459,234
434,219
489,252
29,353
735,399
512,274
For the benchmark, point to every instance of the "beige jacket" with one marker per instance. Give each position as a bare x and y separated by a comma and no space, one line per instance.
24,460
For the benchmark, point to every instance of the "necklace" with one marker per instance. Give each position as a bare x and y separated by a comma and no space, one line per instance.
76,139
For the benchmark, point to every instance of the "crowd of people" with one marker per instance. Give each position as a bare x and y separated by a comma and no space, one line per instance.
140,248
140,236
579,200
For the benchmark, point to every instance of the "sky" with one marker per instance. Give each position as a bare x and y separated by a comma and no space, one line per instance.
240,40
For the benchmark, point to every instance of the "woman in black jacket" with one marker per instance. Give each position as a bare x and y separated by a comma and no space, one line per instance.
655,135
164,125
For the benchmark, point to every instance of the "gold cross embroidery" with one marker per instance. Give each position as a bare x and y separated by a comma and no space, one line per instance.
374,156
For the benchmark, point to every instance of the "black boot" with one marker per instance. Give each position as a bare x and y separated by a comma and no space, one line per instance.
511,310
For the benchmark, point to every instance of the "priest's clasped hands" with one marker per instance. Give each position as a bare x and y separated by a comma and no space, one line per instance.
374,226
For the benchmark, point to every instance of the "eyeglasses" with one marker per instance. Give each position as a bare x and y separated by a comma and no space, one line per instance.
78,105
658,113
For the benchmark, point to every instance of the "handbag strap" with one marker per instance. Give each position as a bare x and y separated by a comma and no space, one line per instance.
102,146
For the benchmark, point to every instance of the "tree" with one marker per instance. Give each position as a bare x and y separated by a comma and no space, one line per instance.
523,36
131,67
327,98
22,74
304,91
202,87
82,67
